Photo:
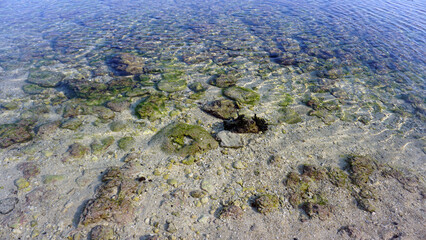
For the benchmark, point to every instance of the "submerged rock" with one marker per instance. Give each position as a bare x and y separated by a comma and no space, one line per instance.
223,109
229,139
231,211
45,78
77,150
113,201
314,209
99,147
101,232
266,203
242,95
32,89
8,204
183,139
127,64
224,80
72,124
172,82
118,105
11,134
152,107
289,116
245,124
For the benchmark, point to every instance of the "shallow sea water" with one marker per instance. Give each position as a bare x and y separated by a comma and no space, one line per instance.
334,79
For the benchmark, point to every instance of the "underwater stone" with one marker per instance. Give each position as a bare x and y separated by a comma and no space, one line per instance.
197,194
126,143
152,107
289,116
99,147
361,168
101,232
266,203
77,150
32,89
22,183
245,124
314,209
172,82
11,134
88,89
28,169
117,126
8,204
127,64
183,139
242,95
48,128
113,201
197,87
45,78
224,80
48,179
223,109
229,139
118,105
231,211
72,123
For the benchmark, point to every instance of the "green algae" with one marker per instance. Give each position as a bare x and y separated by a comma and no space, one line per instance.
289,116
152,107
183,139
241,95
266,203
126,143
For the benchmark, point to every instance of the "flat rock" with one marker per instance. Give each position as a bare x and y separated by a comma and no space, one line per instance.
224,109
8,204
229,139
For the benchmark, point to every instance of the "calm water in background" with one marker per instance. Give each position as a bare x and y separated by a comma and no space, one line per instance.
377,44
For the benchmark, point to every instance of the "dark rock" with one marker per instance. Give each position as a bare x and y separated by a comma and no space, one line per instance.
314,209
113,201
127,64
8,204
101,232
28,169
77,150
241,95
45,78
118,105
48,128
231,211
266,203
245,124
11,134
224,109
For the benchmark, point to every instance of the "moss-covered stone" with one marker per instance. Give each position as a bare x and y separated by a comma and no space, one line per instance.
101,232
338,177
77,150
245,124
32,89
183,139
72,123
9,105
225,80
317,210
231,211
152,107
127,64
49,179
289,116
126,143
11,134
172,82
361,167
113,201
223,109
118,126
197,87
45,78
99,147
266,203
118,105
22,183
242,95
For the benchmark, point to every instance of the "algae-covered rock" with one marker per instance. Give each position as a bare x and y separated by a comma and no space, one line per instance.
118,105
152,107
223,109
88,89
11,134
118,126
127,64
183,139
77,150
101,232
99,147
32,89
113,201
72,123
245,124
45,78
242,95
48,179
266,203
197,87
126,143
28,169
172,82
225,80
21,183
289,116
361,167
317,210
231,211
